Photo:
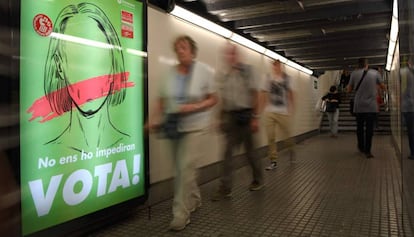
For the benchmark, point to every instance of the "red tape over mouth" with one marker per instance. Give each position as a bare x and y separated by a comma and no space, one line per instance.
41,107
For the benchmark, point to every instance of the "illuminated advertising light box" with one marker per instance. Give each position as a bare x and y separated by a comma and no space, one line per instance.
82,96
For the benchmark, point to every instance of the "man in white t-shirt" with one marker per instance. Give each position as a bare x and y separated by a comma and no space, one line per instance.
277,98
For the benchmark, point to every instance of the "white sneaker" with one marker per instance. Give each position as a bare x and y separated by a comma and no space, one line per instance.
272,166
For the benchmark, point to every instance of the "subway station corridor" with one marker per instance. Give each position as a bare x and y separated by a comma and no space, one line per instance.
91,87
332,190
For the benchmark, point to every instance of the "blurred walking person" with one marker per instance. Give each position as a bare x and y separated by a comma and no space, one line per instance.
276,96
238,119
186,94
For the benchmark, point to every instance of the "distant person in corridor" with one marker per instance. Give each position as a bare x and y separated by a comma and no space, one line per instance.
365,103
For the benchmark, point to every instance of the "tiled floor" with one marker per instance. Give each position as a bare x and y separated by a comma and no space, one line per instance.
331,191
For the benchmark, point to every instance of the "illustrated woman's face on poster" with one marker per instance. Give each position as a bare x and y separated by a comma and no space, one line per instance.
84,61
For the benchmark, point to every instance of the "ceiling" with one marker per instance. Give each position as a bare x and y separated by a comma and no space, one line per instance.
319,34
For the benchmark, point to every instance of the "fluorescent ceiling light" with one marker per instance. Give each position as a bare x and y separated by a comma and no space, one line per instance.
248,43
293,64
389,57
391,47
215,28
395,9
299,67
275,56
307,71
393,36
394,29
388,66
200,21
282,59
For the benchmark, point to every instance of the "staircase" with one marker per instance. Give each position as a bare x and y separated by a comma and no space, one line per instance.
347,123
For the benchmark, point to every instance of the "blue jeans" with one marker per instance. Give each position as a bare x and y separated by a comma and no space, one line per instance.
333,121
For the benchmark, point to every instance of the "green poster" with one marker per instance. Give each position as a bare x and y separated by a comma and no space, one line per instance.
81,97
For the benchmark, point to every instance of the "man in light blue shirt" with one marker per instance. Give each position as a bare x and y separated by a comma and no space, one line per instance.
365,103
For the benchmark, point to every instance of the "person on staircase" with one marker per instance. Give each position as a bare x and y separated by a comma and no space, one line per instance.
345,76
332,99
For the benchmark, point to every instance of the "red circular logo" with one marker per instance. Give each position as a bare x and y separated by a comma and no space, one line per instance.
42,25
